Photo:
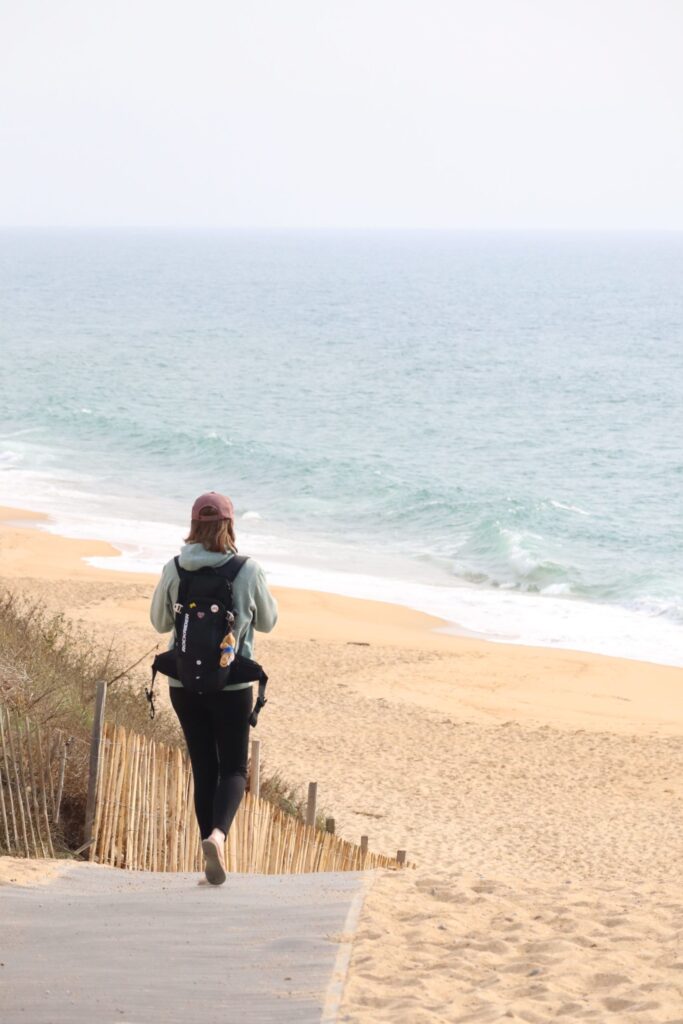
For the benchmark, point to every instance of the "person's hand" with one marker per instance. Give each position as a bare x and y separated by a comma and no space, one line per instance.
253,717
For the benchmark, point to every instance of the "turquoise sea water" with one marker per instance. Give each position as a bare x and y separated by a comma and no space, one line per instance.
484,425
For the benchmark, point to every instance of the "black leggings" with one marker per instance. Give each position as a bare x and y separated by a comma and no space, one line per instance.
216,728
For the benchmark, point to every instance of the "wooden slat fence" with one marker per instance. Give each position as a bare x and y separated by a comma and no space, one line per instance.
32,762
144,820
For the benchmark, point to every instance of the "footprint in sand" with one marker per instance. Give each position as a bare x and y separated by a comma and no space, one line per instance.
605,980
490,946
518,967
615,1005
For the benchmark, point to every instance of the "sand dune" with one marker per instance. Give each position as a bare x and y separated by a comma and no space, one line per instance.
540,793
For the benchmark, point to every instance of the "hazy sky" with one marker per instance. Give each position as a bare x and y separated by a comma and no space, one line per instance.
351,113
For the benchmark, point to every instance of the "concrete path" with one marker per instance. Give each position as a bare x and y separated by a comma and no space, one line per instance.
103,946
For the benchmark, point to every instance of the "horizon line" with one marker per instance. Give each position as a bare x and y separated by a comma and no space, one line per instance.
556,229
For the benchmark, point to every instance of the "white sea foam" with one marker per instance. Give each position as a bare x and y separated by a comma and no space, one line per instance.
8,459
215,435
569,508
498,615
503,615
557,589
521,560
507,616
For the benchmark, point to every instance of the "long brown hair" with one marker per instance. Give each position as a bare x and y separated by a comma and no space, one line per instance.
218,535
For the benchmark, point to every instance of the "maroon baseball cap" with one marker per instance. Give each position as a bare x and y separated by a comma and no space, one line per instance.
212,499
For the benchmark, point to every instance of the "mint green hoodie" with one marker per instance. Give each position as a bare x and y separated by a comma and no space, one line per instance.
253,604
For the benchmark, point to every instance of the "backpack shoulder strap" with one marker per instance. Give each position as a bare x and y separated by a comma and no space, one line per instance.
184,577
231,568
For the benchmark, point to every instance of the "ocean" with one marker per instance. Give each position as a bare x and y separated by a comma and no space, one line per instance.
487,427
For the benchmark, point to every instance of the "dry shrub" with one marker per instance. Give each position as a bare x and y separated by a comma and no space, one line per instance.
49,670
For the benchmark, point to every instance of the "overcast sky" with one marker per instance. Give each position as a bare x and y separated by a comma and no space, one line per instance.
346,113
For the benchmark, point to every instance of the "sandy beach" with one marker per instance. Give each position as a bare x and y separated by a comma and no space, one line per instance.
539,792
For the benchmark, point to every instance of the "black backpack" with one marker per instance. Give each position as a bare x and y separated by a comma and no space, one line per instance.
203,619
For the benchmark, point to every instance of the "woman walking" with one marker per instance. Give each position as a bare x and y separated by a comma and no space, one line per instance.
216,725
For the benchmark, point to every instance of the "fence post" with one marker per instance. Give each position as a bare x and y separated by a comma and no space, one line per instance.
364,844
311,804
401,857
94,767
330,825
60,780
255,768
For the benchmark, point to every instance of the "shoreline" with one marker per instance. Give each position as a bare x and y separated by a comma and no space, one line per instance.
496,616
72,556
484,680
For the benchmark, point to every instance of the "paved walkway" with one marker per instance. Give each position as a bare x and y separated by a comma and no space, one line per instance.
103,946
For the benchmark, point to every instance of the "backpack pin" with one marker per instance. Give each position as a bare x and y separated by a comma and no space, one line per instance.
200,615
214,607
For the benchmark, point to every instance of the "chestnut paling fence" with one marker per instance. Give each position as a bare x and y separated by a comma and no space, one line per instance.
144,820
139,811
32,766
